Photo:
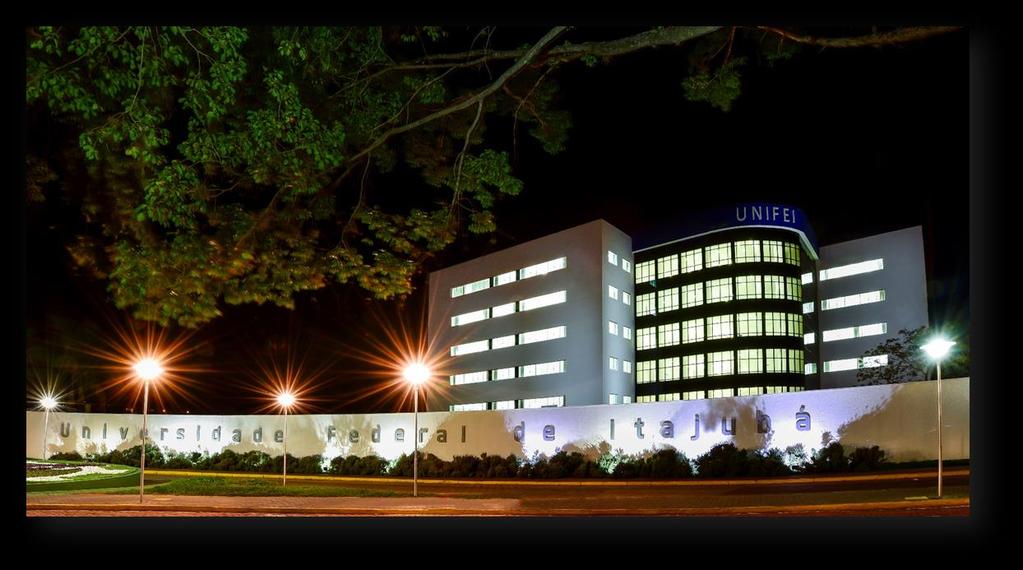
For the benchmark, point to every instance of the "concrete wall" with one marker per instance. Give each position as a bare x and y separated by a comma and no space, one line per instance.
899,418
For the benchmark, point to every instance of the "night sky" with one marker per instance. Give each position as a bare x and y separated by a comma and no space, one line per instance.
864,141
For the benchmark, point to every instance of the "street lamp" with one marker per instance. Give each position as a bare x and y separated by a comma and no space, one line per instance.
48,403
285,400
148,370
937,349
416,374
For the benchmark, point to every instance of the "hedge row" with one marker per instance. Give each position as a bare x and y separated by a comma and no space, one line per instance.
724,460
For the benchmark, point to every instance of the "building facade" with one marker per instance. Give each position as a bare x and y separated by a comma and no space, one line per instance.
547,323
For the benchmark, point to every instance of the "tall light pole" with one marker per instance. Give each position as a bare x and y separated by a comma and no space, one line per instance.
48,403
937,349
285,400
148,370
416,374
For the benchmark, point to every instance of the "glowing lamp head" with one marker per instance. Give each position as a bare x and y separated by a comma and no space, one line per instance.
48,402
286,399
416,373
937,348
148,369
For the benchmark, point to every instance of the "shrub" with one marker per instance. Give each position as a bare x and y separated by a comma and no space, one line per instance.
67,456
830,459
767,463
354,466
723,460
866,459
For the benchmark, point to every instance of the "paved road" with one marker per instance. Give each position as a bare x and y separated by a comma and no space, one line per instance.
870,497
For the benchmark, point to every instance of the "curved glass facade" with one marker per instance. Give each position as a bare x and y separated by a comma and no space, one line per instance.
721,315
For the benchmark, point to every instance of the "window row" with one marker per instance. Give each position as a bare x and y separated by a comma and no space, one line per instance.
854,332
718,327
747,251
719,393
509,308
614,399
612,258
718,291
613,327
509,340
852,269
855,363
612,363
613,293
524,371
509,277
728,362
548,402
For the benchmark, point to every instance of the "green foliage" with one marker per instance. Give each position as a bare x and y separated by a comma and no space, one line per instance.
907,361
720,87
830,459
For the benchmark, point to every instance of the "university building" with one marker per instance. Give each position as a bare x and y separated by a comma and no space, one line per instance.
739,301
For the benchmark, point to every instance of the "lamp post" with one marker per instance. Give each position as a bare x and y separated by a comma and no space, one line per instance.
285,400
937,349
48,403
148,370
416,374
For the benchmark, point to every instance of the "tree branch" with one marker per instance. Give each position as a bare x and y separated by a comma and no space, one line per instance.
900,35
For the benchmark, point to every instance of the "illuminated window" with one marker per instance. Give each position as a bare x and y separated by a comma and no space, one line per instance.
645,305
692,366
720,363
468,378
470,347
852,300
721,393
773,252
646,338
775,360
719,327
691,260
542,301
612,292
613,399
542,335
502,374
626,266
750,391
470,287
667,266
692,295
692,331
854,332
627,366
810,368
667,300
646,371
792,254
667,335
626,298
795,324
645,271
668,369
504,278
793,289
612,363
502,310
751,361
504,405
852,269
612,327
774,287
542,368
795,360
646,399
668,397
809,338
502,341
612,258
626,333
542,268
719,290
467,407
782,389
747,251
694,395
749,324
807,278
717,255
466,318
808,307
748,287
550,402
774,324
854,363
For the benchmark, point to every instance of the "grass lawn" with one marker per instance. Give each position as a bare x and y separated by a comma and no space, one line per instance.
237,487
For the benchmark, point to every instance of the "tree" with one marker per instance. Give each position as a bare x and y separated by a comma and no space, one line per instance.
907,362
234,165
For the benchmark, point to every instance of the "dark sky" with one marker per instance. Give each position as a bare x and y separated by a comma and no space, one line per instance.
864,141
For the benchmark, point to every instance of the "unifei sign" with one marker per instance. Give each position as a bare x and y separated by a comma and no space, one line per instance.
900,418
